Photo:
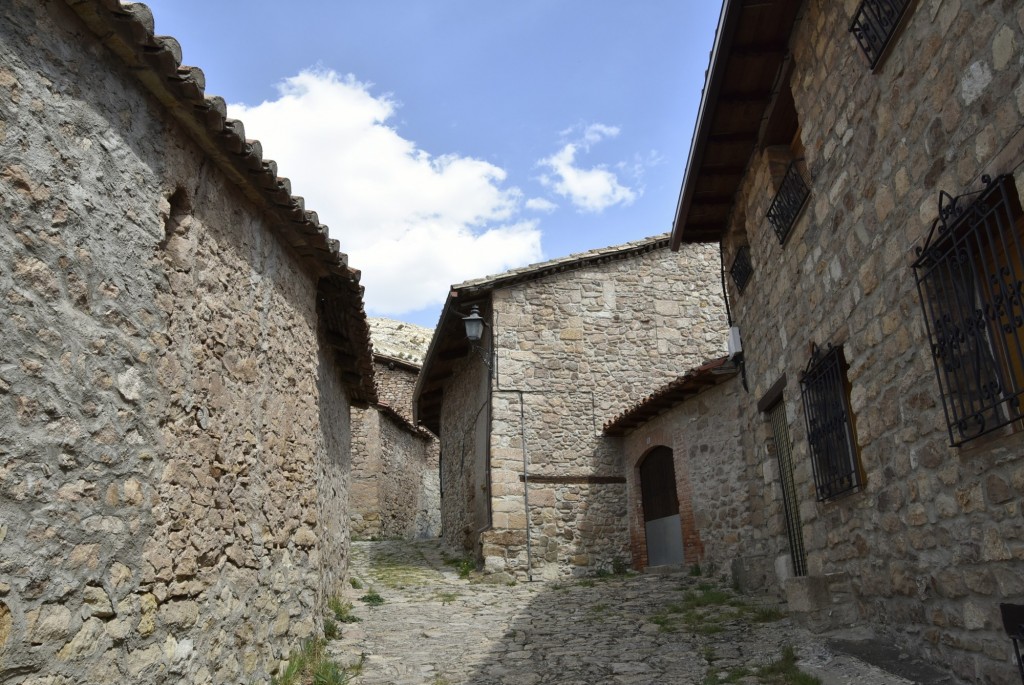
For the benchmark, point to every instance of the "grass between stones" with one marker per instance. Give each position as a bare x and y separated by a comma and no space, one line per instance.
309,665
708,609
342,610
372,598
396,572
784,671
464,565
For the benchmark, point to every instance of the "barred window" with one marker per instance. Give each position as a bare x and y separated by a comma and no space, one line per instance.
826,396
741,269
970,280
788,202
874,24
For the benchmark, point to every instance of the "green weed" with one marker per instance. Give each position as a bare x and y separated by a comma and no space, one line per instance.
342,610
372,598
785,671
309,664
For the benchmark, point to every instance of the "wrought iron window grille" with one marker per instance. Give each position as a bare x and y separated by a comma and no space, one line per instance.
825,394
874,24
970,281
788,202
741,269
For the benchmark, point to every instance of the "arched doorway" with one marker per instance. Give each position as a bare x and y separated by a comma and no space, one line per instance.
661,508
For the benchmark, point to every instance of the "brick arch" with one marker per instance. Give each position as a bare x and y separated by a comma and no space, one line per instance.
693,546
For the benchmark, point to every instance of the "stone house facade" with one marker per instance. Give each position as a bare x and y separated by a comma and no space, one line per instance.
863,181
529,485
395,491
181,346
717,510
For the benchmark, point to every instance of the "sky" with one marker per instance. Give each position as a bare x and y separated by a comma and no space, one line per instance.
446,140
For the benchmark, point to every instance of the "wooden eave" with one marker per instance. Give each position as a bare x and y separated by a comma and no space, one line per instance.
750,49
128,32
447,348
388,360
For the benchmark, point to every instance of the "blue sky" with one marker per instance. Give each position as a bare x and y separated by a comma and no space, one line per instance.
445,140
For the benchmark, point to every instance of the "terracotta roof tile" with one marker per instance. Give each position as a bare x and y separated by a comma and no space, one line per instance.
681,389
129,32
567,263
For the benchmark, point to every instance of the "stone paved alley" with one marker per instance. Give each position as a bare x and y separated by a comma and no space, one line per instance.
436,628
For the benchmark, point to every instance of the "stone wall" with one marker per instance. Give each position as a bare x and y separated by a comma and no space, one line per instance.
175,442
395,491
934,540
463,439
572,350
395,384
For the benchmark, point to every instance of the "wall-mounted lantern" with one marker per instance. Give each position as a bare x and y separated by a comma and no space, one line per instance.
474,324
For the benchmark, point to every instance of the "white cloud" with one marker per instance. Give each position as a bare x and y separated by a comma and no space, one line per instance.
591,189
540,204
412,222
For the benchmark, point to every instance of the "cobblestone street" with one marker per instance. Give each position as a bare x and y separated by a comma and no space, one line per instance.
436,628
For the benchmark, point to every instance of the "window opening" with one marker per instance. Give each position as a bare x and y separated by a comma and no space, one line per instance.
741,269
970,281
789,201
874,24
826,397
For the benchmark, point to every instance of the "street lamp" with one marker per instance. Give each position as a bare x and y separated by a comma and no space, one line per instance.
474,324
475,331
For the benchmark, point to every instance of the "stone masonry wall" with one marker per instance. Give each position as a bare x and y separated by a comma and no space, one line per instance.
395,488
579,347
720,485
174,456
934,541
409,460
364,493
464,480
395,385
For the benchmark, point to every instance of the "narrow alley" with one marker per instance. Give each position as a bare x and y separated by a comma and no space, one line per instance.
433,627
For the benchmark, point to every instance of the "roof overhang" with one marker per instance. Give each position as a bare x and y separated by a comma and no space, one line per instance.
696,381
447,347
128,31
751,47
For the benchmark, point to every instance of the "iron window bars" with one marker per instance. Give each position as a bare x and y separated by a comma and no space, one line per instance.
825,395
874,24
741,269
792,195
970,280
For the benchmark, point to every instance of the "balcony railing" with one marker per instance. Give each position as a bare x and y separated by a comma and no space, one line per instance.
788,202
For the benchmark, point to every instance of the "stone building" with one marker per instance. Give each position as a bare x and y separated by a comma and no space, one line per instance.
860,166
528,483
692,494
395,492
181,346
